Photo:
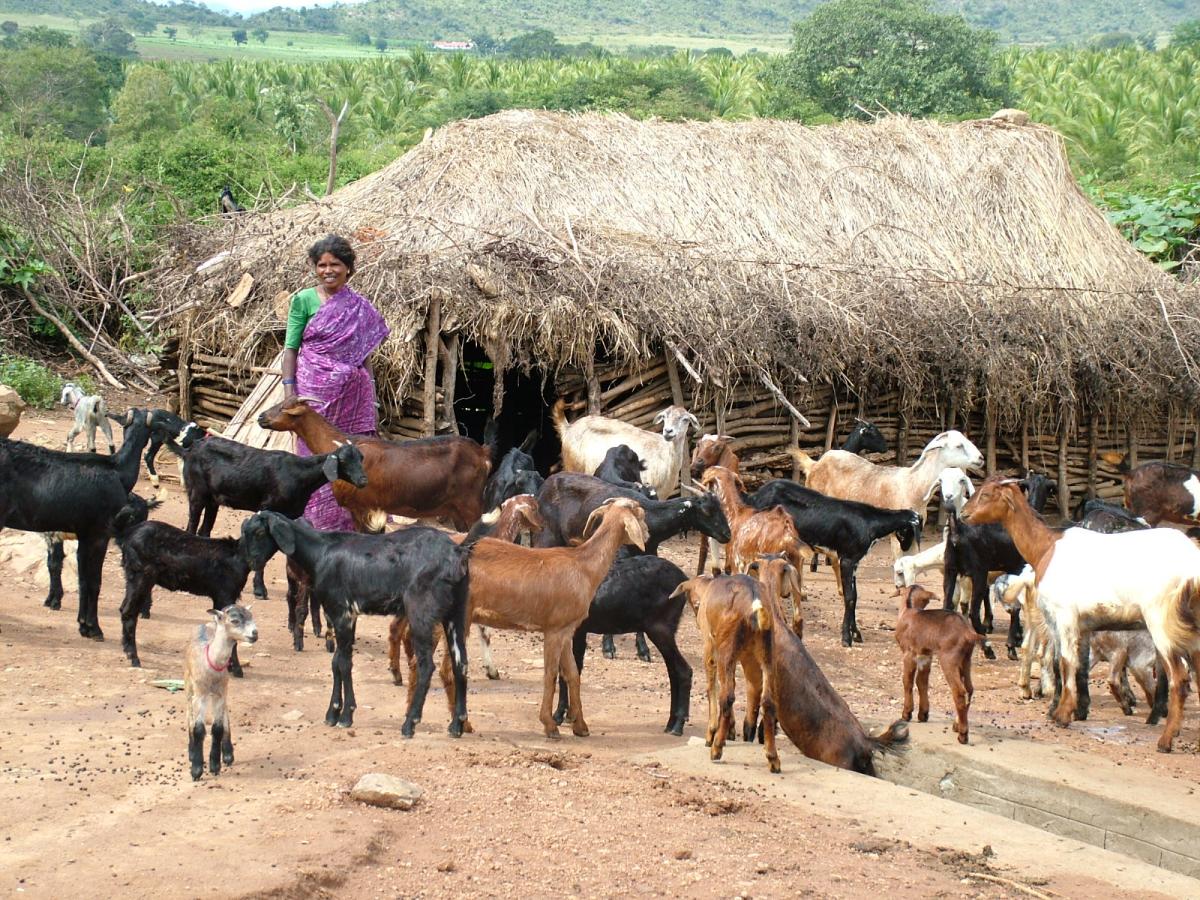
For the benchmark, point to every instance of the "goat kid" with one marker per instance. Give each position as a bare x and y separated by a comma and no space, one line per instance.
206,684
90,412
921,633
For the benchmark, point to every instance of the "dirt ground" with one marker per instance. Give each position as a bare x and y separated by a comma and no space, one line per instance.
95,794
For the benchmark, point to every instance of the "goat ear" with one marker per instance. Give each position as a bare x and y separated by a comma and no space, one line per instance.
662,415
635,529
281,534
794,585
690,418
330,468
217,614
591,521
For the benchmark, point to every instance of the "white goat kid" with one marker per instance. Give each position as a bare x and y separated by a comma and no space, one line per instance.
206,684
586,440
89,412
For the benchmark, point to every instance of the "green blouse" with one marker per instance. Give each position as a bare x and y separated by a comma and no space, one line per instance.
305,304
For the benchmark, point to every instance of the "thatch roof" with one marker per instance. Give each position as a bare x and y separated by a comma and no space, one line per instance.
954,256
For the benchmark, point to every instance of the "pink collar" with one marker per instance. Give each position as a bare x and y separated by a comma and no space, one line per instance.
208,659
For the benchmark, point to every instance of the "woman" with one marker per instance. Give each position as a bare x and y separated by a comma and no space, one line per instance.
331,331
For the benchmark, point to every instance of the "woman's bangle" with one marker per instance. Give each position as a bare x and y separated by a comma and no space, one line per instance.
289,381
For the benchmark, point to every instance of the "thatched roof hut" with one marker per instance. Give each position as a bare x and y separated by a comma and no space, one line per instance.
944,264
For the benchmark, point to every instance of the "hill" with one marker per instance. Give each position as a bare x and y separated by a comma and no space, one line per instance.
1017,21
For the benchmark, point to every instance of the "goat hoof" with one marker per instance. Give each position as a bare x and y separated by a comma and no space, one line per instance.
329,646
553,734
644,657
397,678
988,652
408,729
197,771
748,734
609,653
846,642
1164,748
331,718
962,738
145,614
227,757
134,662
52,604
1012,654
773,765
455,729
922,716
580,729
675,728
492,673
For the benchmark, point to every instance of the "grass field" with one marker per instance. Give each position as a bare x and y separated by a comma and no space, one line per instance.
203,44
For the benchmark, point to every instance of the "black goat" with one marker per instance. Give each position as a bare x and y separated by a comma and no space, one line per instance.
636,596
417,572
973,551
842,529
516,474
228,204
1105,517
155,554
567,499
623,467
71,493
865,438
166,430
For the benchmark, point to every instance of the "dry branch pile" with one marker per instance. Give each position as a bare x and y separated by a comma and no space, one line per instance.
957,257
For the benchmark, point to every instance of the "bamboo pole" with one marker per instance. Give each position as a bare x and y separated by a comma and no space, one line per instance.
1093,456
1064,487
432,339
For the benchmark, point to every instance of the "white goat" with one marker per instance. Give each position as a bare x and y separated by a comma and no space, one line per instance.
1088,582
89,412
1017,593
956,488
585,442
206,684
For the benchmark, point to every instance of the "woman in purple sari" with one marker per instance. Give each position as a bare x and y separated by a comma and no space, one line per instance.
331,331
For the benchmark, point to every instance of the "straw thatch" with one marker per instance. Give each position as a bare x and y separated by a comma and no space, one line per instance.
954,257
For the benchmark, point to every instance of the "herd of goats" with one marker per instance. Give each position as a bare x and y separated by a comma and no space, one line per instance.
575,553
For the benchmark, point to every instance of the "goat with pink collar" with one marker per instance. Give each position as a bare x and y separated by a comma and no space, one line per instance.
206,684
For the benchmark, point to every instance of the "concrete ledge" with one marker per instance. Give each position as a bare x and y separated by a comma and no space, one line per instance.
928,820
1061,791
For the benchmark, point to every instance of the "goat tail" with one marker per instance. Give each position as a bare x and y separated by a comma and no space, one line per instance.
894,739
1182,621
760,616
806,462
558,415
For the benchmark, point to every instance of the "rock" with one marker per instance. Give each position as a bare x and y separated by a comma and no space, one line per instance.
386,790
11,407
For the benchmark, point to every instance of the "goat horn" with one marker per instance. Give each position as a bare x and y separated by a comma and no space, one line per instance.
306,399
691,489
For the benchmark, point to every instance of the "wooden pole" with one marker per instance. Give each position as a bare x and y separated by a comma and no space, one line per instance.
794,443
1024,447
433,329
990,426
1064,489
902,434
1093,453
449,349
1196,448
593,387
335,129
831,425
185,366
1170,432
685,468
1131,457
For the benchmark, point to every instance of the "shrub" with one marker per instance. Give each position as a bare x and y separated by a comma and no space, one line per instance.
36,384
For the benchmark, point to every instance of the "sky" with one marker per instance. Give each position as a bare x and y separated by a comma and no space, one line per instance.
249,6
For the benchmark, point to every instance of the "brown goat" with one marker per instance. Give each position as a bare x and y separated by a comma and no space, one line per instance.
1163,492
515,516
922,632
425,479
736,627
550,590
712,450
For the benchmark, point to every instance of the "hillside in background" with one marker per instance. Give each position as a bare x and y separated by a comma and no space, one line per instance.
1017,21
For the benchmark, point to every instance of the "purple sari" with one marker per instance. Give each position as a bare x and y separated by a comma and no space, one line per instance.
330,369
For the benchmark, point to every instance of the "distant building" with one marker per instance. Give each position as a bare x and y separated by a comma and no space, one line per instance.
453,45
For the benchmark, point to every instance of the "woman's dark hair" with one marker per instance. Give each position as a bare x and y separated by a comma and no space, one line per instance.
336,245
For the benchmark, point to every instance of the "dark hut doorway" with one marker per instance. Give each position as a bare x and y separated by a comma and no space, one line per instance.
526,407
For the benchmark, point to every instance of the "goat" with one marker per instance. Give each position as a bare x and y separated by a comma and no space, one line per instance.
844,529
956,488
623,467
89,413
550,590
849,477
417,572
735,625
586,440
167,430
229,206
516,474
808,709
712,450
567,499
1088,581
974,552
754,532
422,479
1106,518
515,516
865,437
637,596
921,633
1163,492
1017,594
155,554
206,684
72,493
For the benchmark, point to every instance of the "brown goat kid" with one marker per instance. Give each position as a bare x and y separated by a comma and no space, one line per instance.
736,626
921,633
423,479
712,450
550,590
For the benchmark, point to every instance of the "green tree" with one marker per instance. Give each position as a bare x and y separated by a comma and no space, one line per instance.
52,87
9,27
1186,34
381,44
145,106
535,44
359,36
108,37
485,44
142,21
260,35
239,36
899,55
170,31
